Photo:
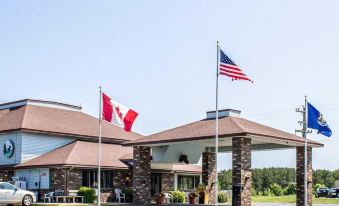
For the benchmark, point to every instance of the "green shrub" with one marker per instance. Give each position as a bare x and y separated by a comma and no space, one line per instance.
222,197
178,196
277,190
88,193
128,194
266,192
291,189
254,192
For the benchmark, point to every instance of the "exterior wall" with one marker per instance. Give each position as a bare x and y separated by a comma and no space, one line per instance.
34,145
167,182
172,153
208,175
142,175
300,168
122,179
57,179
242,174
16,138
28,146
74,179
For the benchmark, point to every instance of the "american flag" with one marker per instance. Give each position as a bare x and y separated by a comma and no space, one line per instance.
229,68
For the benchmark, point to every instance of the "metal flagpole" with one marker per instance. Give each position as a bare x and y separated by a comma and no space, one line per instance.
99,155
216,127
305,151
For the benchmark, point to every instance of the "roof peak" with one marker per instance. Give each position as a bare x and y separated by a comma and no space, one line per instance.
36,102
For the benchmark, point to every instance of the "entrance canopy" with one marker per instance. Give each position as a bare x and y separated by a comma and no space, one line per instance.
203,132
199,136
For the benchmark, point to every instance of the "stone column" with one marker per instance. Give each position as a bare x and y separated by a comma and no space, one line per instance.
242,174
300,176
208,175
142,175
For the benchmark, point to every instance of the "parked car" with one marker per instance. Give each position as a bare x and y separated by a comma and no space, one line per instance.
333,193
322,192
9,194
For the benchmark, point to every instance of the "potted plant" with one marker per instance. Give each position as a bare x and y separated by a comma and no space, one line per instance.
193,198
160,199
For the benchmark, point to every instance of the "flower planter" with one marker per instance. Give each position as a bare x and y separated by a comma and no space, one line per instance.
193,200
160,200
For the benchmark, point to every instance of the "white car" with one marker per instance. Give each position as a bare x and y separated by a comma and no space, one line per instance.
9,194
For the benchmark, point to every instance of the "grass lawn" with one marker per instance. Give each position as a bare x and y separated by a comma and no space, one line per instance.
292,199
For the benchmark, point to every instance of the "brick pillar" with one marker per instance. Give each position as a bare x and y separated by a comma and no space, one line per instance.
242,174
208,174
142,175
300,176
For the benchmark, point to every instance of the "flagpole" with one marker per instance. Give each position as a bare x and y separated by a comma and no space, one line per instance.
216,127
99,155
305,153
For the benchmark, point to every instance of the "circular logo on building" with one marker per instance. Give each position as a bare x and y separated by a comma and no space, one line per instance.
8,149
322,121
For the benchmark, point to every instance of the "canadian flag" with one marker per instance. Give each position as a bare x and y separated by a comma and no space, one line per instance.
117,113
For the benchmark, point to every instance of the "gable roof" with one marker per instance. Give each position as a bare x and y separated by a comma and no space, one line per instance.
58,121
82,154
228,127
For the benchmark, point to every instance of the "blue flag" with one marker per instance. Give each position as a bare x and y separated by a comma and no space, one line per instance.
317,121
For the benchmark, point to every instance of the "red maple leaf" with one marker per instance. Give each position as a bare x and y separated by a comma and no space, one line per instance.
118,111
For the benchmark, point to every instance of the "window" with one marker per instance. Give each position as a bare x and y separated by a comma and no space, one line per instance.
186,183
9,187
2,186
90,178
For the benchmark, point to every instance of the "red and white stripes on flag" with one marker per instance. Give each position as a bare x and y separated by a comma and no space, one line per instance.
229,68
117,113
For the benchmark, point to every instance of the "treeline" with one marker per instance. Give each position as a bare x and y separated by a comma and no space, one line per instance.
279,181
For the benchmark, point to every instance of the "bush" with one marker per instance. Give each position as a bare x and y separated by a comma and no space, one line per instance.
128,194
266,192
277,190
88,193
178,196
254,192
291,189
222,197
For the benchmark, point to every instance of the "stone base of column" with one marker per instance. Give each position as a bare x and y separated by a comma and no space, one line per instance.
300,176
142,175
208,175
242,174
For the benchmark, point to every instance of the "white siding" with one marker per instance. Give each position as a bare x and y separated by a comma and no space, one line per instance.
34,145
34,176
158,153
193,152
15,137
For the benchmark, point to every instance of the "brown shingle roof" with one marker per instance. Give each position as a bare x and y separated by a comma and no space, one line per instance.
228,127
60,121
85,154
82,154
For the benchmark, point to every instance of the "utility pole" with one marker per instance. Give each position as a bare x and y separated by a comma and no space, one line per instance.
304,131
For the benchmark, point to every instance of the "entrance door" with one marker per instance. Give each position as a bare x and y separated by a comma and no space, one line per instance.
155,183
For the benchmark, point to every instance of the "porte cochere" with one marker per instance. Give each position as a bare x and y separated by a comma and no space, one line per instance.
196,139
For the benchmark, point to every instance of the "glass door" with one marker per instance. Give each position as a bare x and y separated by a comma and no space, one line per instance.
155,184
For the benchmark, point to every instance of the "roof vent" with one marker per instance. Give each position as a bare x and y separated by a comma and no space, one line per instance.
223,113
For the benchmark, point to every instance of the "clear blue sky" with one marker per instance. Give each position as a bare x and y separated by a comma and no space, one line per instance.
159,58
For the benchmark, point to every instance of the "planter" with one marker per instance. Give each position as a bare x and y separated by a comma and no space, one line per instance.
193,200
160,200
